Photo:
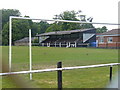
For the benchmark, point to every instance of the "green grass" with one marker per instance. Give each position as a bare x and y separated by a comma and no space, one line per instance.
44,57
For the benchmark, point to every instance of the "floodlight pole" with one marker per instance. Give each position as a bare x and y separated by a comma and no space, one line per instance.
30,53
10,43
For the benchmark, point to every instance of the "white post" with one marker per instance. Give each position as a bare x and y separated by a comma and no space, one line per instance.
49,44
69,44
55,44
30,53
10,43
42,44
75,44
60,44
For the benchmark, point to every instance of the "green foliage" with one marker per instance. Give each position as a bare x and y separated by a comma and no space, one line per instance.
5,34
101,30
69,15
5,23
9,12
42,27
85,26
34,29
54,27
19,30
20,27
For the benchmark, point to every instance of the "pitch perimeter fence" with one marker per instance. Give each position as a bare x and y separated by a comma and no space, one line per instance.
59,70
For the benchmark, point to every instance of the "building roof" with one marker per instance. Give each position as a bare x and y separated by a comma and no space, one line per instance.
25,39
113,31
65,32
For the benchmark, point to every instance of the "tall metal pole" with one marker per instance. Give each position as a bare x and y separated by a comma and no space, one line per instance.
10,43
30,53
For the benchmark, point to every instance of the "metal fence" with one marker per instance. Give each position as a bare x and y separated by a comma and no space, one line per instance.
59,70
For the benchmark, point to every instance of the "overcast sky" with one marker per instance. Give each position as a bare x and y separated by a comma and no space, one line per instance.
100,10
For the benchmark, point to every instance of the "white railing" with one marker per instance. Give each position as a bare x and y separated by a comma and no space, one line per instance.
58,69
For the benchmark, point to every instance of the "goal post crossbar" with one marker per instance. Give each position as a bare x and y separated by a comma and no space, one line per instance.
57,20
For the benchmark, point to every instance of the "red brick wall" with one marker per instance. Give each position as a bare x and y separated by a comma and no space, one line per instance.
115,43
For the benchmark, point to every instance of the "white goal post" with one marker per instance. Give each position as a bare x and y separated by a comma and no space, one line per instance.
30,53
26,18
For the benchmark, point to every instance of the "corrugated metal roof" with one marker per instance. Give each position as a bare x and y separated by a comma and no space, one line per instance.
26,39
64,32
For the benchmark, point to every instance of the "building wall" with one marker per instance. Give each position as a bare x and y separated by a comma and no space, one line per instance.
115,41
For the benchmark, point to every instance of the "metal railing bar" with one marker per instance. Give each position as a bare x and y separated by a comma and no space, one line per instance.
58,69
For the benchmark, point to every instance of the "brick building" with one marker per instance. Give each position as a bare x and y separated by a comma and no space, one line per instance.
110,39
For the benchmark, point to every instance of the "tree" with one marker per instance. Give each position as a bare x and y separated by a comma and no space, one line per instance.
19,30
5,19
53,27
42,26
101,30
104,29
34,29
9,12
5,34
69,15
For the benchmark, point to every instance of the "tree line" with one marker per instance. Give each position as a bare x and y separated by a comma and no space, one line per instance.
20,27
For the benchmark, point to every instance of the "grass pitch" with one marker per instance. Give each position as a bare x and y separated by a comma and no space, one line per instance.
47,57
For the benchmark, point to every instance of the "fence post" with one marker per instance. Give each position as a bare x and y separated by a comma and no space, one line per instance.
59,76
110,73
